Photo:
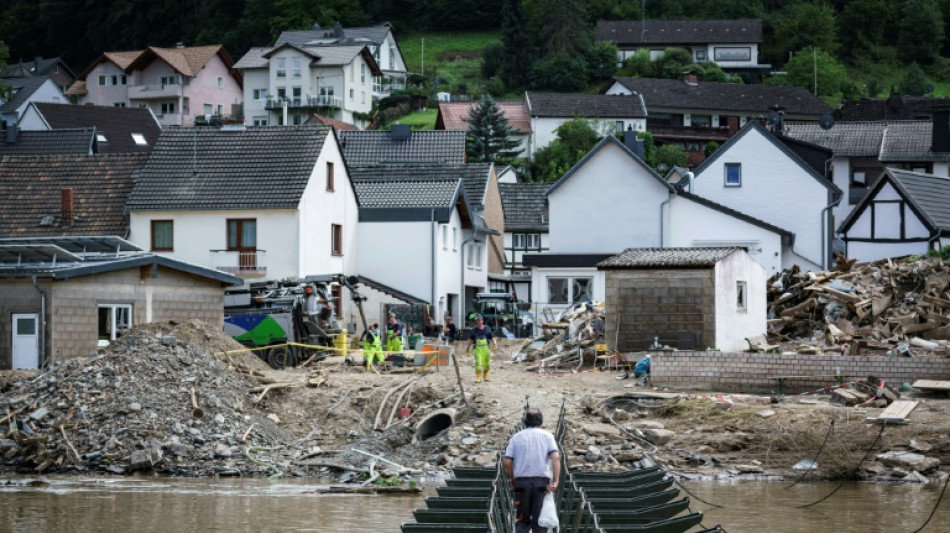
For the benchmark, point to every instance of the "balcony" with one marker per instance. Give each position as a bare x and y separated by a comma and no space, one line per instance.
241,263
310,101
708,133
154,91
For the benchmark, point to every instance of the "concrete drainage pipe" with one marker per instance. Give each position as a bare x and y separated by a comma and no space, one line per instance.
435,423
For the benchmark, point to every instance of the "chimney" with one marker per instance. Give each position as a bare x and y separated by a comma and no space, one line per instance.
633,143
338,30
733,123
941,131
12,131
36,64
316,26
179,44
691,79
67,206
400,131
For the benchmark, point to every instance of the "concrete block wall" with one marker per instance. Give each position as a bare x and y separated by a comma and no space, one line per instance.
677,306
749,372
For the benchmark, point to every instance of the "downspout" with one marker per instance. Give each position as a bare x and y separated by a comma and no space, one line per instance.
42,322
829,236
662,207
432,271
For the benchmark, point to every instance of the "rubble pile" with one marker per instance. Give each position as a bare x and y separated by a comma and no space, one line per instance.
157,399
901,306
567,341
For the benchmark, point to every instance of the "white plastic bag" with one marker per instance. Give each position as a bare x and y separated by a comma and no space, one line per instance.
548,516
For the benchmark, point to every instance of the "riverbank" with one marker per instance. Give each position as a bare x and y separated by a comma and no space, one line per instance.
130,410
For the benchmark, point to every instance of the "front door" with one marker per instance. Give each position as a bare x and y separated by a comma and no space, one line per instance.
26,337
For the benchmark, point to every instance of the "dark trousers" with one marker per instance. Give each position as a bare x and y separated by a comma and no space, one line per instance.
529,496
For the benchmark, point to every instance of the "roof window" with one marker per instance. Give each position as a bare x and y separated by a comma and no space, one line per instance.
139,139
101,138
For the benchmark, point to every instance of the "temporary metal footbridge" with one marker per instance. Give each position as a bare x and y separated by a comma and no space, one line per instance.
642,500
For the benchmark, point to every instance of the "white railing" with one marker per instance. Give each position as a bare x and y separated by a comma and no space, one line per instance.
240,262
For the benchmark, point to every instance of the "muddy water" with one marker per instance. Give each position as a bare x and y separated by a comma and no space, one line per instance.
233,506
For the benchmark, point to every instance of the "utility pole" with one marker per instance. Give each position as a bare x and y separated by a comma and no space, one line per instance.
423,56
814,61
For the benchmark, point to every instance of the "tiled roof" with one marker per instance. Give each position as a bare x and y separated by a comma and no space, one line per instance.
679,31
80,141
116,124
364,148
931,194
452,115
123,59
524,206
78,88
895,107
260,167
474,176
585,105
851,139
324,56
716,96
890,141
370,34
254,58
667,258
188,60
338,125
406,192
24,69
30,189
22,89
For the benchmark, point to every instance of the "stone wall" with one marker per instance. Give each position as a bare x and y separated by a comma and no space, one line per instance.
677,306
750,372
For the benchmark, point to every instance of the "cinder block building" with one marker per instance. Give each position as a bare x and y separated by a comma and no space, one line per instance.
687,298
63,297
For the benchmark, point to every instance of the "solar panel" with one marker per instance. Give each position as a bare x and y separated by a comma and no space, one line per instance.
31,254
77,244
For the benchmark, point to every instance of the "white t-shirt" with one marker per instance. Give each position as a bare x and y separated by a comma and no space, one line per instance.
530,449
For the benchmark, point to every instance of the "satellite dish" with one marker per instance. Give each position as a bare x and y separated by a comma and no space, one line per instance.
826,121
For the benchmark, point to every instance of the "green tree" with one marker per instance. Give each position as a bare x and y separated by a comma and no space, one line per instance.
560,72
914,82
602,61
301,14
573,140
516,55
831,75
669,156
639,65
673,64
4,54
803,25
861,26
920,31
489,135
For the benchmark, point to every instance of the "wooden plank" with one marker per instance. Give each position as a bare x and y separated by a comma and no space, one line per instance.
899,410
940,302
932,384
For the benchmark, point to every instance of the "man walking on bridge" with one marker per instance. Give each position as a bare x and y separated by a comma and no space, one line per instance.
533,464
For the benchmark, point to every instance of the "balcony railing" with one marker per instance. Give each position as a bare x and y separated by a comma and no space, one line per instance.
243,263
156,90
689,132
310,101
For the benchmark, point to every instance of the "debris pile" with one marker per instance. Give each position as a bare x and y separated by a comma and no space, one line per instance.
569,340
895,306
156,399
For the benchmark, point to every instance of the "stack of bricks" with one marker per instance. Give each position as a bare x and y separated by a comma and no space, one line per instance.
756,372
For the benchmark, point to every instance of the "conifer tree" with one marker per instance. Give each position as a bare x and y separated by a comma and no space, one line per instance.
517,59
489,135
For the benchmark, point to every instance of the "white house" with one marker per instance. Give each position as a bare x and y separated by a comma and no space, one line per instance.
733,45
260,203
757,174
687,298
23,92
287,84
379,39
526,232
609,114
610,201
862,150
903,213
420,234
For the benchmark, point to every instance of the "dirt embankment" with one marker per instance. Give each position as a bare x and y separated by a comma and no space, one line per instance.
129,409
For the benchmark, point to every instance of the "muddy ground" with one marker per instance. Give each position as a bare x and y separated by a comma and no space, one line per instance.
312,420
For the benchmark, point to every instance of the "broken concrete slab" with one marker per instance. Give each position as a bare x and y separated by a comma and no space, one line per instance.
909,460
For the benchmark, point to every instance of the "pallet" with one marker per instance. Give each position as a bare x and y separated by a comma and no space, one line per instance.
848,397
896,413
932,385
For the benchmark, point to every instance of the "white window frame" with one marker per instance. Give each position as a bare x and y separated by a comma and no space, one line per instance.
280,67
725,174
533,241
296,67
116,323
571,298
363,73
102,80
167,80
220,83
260,121
168,108
139,139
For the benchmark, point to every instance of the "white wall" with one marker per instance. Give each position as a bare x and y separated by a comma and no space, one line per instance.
539,287
397,254
47,92
841,174
196,233
694,225
256,78
886,222
941,168
608,205
774,189
733,325
319,208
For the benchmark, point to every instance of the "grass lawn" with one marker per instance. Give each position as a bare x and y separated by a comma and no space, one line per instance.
454,57
420,120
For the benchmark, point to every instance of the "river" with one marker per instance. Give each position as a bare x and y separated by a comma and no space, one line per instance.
159,505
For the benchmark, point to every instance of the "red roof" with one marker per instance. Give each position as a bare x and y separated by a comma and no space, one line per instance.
452,115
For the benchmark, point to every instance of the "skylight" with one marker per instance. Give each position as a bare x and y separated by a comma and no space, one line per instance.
139,139
101,138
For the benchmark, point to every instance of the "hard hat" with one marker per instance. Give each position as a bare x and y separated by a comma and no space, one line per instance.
478,317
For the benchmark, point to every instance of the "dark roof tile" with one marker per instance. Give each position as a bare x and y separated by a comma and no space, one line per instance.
571,105
80,141
679,31
367,148
524,206
667,258
116,124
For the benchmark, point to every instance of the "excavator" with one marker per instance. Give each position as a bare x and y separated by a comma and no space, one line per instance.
276,313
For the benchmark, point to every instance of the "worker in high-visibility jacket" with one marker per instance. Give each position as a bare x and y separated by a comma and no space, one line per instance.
394,331
481,336
372,347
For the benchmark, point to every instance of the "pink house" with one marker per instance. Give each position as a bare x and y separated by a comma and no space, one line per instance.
179,85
